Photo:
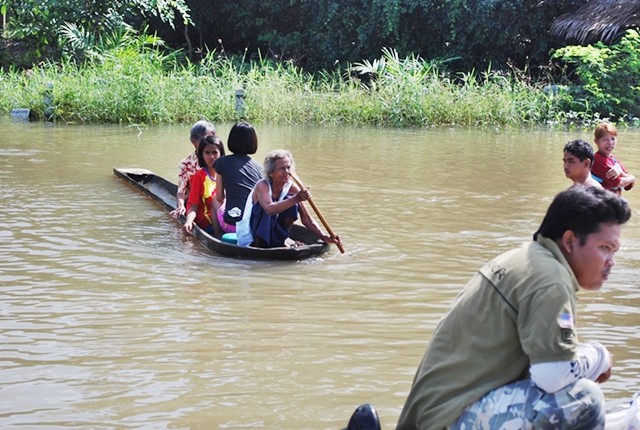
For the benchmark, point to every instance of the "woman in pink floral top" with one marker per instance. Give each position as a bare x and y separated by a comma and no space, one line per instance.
189,165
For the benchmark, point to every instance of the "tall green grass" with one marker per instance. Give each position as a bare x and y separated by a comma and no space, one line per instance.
137,84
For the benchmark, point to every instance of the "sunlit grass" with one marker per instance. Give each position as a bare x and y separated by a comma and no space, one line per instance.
140,86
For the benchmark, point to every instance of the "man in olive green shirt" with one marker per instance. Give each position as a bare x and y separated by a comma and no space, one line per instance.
507,354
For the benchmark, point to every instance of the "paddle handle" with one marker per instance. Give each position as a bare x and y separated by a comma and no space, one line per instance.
319,214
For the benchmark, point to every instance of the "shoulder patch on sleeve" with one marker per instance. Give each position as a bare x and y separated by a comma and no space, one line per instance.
565,320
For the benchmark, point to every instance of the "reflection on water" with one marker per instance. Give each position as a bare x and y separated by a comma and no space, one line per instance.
111,318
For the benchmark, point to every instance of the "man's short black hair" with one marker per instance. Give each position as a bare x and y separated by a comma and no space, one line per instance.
580,149
582,210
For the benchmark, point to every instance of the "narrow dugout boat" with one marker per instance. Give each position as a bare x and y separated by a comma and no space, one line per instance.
306,243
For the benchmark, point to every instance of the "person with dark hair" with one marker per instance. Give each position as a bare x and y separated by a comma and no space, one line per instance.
578,159
237,175
506,354
203,187
607,169
189,165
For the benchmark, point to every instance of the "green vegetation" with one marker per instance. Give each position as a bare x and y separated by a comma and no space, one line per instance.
77,61
608,78
315,35
33,27
134,82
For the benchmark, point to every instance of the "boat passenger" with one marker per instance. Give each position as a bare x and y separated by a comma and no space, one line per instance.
577,160
274,205
189,165
607,169
203,188
237,174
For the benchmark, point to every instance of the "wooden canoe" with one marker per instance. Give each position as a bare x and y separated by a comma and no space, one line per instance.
165,193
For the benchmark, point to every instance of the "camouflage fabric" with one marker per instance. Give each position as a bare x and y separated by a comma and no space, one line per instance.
523,406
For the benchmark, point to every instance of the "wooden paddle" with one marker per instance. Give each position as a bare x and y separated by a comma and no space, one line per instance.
317,211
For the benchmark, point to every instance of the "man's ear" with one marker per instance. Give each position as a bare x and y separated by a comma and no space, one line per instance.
568,241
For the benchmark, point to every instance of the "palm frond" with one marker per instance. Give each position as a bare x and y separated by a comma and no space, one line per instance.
373,68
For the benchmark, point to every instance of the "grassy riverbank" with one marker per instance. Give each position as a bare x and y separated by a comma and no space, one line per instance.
141,86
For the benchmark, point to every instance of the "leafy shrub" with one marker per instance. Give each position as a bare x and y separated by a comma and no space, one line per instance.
607,78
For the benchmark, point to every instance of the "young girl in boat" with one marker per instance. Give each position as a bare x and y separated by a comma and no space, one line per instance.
203,187
274,204
237,174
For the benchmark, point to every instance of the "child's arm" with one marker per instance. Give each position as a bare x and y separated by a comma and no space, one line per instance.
627,180
191,216
615,171
619,174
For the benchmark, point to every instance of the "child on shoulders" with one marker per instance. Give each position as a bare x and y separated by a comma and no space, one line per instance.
607,169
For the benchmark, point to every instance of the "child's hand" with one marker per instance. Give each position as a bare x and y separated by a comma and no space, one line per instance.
614,172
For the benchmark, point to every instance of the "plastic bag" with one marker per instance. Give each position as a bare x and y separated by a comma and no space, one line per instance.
624,417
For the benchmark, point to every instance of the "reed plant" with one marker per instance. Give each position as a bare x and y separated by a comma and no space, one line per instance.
135,83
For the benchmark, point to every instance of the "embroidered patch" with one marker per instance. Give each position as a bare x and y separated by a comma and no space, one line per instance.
497,270
567,335
565,320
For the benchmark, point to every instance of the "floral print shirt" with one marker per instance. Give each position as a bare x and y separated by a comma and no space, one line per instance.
186,169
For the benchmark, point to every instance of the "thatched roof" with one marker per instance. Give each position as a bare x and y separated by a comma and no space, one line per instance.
598,20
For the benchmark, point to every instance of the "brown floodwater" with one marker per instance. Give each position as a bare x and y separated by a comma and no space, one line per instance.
110,317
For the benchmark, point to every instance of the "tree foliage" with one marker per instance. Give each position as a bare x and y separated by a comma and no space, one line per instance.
321,34
608,77
38,23
316,34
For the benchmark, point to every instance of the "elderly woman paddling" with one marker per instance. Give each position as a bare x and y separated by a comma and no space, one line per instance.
274,204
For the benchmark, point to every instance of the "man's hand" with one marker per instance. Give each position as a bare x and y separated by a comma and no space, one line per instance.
604,377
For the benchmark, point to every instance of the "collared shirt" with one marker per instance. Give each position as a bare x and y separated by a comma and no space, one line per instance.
518,310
